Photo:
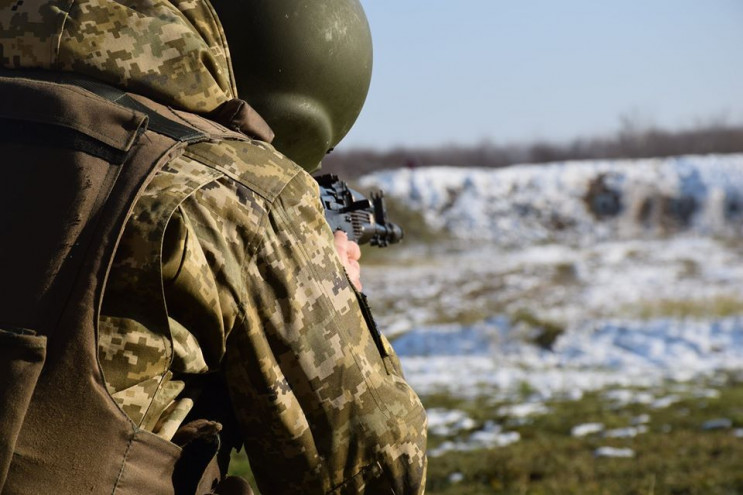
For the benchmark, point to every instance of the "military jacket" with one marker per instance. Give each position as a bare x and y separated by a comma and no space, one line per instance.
255,290
227,266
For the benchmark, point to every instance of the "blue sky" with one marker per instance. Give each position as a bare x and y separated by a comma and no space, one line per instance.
463,71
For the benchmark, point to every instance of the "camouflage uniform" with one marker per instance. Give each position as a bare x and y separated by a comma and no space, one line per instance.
234,236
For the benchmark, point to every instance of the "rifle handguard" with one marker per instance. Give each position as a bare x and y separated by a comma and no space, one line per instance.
363,220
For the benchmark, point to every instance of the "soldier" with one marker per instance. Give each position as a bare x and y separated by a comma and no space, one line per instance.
171,288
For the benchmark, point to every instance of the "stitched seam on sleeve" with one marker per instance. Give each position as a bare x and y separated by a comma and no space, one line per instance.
288,225
250,252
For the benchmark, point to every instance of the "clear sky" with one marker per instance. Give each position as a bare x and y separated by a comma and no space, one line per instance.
463,71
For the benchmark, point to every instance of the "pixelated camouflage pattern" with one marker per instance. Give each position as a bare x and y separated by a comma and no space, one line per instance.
227,265
172,51
258,292
139,345
325,404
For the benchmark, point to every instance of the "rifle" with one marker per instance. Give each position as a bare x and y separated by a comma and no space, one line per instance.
363,220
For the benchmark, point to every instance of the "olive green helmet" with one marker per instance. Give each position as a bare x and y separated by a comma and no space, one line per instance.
304,65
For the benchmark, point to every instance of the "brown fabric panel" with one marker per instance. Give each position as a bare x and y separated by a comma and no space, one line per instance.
74,438
21,359
238,115
49,194
70,107
47,199
149,467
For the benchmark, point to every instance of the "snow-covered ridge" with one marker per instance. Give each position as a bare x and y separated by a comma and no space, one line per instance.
575,201
634,267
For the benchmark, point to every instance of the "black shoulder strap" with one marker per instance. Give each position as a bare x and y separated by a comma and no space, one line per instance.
157,123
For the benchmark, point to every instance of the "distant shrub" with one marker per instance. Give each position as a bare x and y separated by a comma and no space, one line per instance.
602,200
543,333
668,213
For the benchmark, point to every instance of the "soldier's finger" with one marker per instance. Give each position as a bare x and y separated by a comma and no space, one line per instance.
353,250
340,239
354,273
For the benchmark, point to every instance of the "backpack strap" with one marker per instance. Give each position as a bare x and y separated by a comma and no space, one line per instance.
156,121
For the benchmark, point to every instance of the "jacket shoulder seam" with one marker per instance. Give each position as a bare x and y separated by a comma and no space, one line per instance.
269,195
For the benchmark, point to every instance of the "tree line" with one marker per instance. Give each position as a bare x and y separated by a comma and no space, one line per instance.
631,141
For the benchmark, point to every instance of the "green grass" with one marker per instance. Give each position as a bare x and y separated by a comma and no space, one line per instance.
674,463
240,466
674,457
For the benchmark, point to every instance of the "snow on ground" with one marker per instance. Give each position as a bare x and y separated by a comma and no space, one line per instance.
614,452
628,432
523,410
635,266
586,429
446,422
578,200
606,341
492,435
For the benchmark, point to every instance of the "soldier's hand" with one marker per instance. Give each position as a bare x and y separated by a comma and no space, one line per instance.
350,253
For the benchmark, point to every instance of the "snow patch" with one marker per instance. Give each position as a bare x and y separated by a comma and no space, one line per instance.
586,429
445,422
491,436
523,410
614,452
593,356
628,432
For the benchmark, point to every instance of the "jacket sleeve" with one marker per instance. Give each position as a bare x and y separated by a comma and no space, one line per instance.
318,392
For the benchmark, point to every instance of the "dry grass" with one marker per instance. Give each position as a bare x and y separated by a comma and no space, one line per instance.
717,307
